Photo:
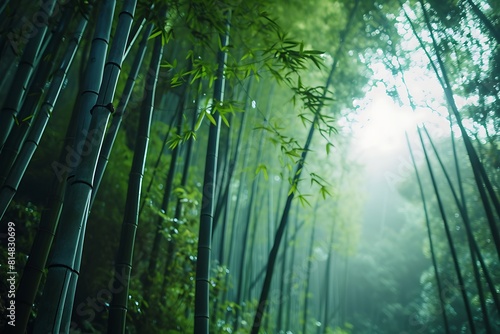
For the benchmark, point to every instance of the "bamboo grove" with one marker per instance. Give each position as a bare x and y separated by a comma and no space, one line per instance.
187,166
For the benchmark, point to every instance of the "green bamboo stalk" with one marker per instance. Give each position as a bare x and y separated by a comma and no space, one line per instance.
67,250
24,72
326,283
480,175
120,111
40,248
187,161
293,239
20,165
279,234
29,108
135,31
102,109
123,264
245,289
484,20
223,195
201,310
169,185
226,197
462,207
223,203
248,222
262,271
308,273
92,74
157,163
35,265
477,251
178,208
474,249
295,181
449,239
224,183
279,320
272,221
431,243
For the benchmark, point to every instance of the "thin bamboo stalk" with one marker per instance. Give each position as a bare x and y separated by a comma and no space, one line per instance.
485,21
296,178
116,121
123,264
27,151
154,254
201,311
28,112
462,207
431,243
64,268
480,175
24,72
449,239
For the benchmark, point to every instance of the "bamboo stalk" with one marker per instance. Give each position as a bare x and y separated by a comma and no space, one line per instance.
123,264
201,310
449,238
27,151
431,243
24,72
116,121
259,314
64,267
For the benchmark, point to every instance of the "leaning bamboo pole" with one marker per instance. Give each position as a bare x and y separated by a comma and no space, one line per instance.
123,264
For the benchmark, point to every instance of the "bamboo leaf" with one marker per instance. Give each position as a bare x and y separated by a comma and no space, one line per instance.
224,119
155,34
324,192
211,118
199,120
303,200
328,148
263,168
27,118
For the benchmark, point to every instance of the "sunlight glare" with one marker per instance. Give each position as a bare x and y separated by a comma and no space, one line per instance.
379,124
